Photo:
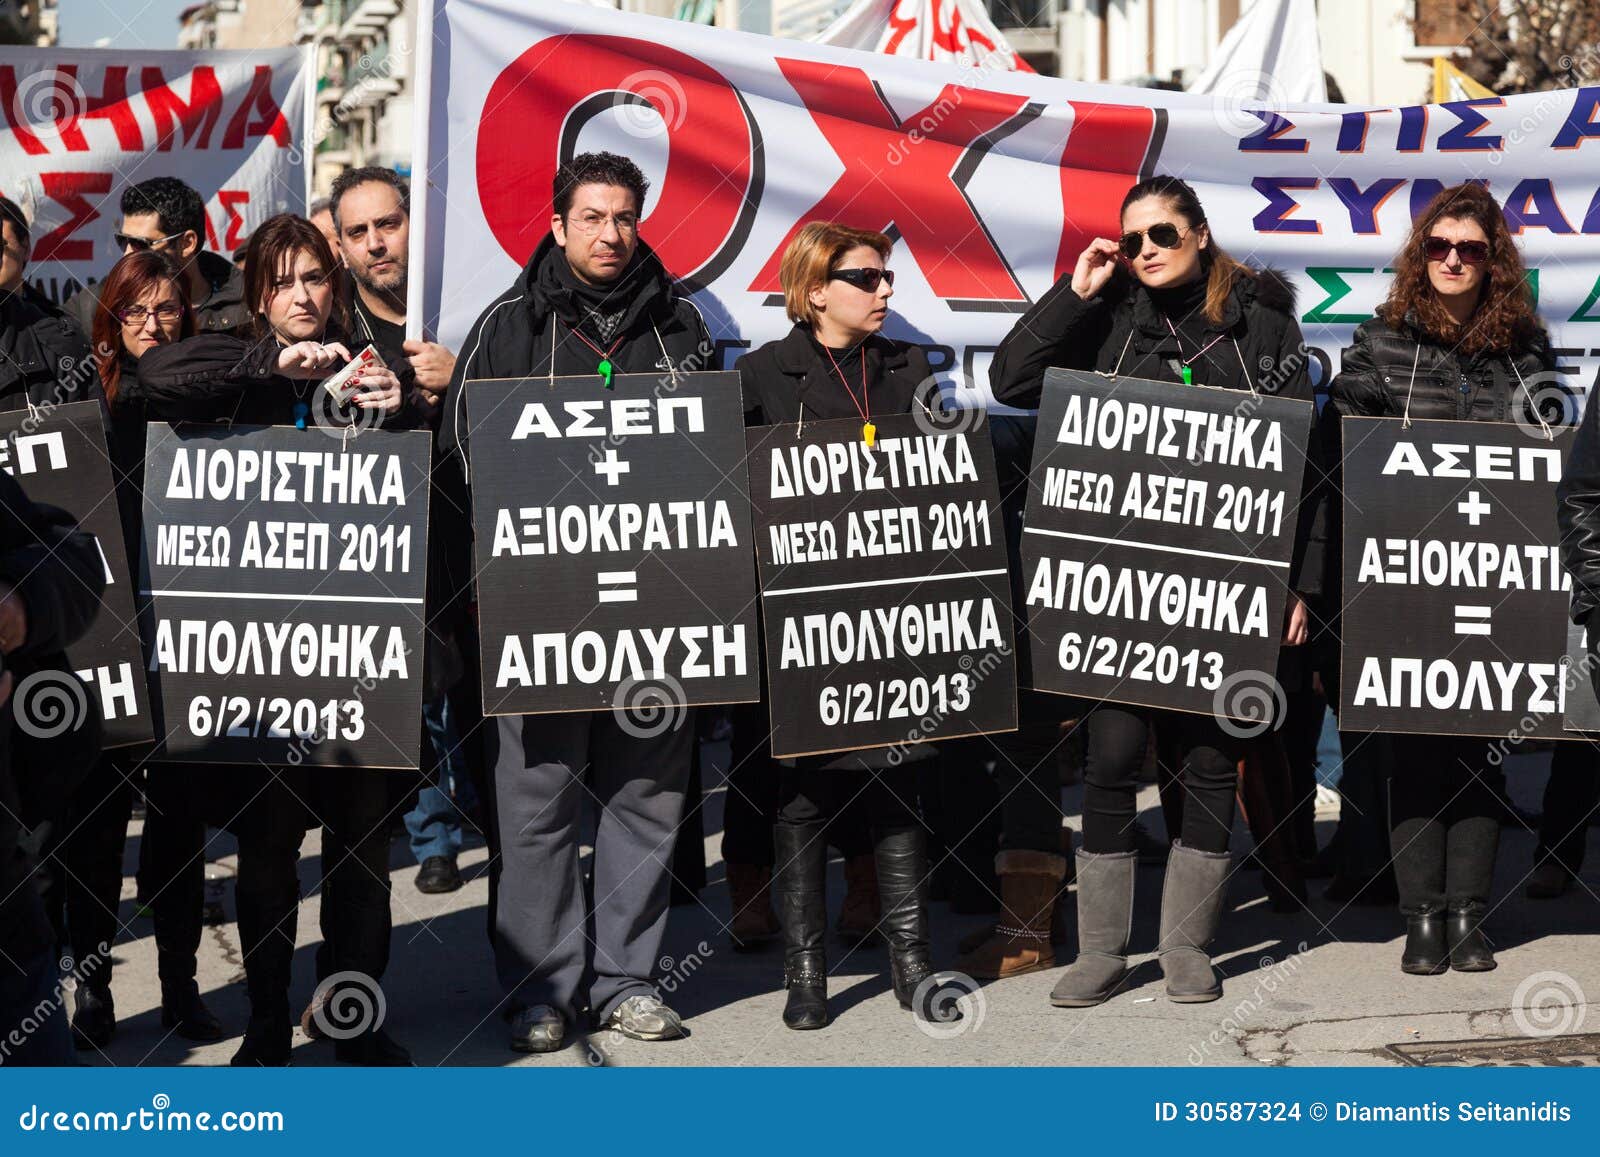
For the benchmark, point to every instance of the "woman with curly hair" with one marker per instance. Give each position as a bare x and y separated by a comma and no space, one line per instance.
1457,339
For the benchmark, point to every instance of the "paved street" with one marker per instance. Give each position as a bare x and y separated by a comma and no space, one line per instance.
1313,988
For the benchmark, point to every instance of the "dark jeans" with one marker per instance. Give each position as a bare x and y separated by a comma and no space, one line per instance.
1570,799
33,1006
1026,772
83,868
886,798
1208,772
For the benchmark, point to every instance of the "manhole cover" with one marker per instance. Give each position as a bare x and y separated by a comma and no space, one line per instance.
1577,1051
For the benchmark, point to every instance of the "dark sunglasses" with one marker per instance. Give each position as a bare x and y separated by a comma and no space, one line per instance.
1167,235
1471,252
140,244
866,280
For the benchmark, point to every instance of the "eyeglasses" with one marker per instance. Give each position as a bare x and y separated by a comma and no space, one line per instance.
1166,234
867,280
137,315
140,244
1471,252
592,223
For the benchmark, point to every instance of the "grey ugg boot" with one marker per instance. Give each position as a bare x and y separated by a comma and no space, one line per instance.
1191,905
1105,918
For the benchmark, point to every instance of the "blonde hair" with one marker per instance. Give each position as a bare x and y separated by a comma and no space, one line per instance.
810,257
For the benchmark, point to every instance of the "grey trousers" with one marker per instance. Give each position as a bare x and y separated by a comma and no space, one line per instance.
554,942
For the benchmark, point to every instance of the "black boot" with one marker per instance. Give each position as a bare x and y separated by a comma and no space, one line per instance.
1425,953
1418,845
798,879
186,1014
94,1017
902,858
267,1040
1472,845
374,1049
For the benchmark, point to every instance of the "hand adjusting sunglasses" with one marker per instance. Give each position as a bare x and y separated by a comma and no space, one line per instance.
866,280
1471,252
1166,234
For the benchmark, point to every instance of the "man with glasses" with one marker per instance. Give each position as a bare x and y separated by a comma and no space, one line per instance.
168,216
592,300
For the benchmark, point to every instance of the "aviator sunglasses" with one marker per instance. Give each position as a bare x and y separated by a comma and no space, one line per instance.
1166,234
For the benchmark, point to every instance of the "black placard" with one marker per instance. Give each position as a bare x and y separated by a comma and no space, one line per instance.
59,458
1455,601
613,542
1157,541
884,593
284,574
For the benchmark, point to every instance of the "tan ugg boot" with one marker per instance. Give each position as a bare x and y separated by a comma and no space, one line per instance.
1020,941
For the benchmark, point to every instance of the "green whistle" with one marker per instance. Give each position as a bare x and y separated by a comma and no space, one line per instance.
604,369
1186,371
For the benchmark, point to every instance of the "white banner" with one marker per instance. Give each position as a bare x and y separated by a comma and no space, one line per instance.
991,181
81,125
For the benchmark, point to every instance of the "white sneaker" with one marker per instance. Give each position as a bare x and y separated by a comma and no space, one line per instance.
539,1029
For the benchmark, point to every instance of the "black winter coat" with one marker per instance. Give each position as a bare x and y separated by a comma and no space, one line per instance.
44,359
1121,331
788,378
217,377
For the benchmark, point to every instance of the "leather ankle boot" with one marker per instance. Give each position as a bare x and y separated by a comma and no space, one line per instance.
1463,932
799,877
1425,951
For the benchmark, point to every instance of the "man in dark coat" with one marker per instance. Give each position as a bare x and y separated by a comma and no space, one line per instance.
591,286
167,215
44,359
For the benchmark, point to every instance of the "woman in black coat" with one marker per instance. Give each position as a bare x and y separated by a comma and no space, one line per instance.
271,378
1166,303
1456,339
835,363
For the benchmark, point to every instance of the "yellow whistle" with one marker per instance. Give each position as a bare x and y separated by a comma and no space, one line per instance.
869,434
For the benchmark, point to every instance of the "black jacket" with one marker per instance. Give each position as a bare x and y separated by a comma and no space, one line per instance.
1120,330
1375,379
789,377
217,377
221,311
58,573
1578,512
43,357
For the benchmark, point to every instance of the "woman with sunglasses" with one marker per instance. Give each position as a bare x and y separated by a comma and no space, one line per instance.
270,378
1166,303
1458,339
836,363
146,305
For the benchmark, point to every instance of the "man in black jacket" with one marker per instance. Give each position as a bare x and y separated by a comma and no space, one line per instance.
43,357
167,215
590,286
50,583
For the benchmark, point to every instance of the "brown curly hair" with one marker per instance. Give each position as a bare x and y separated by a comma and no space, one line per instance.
1504,318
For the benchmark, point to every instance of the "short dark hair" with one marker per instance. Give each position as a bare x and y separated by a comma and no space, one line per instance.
286,233
11,212
598,169
350,178
178,207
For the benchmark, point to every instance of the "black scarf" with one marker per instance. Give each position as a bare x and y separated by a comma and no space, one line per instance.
600,308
